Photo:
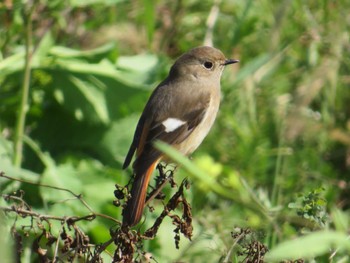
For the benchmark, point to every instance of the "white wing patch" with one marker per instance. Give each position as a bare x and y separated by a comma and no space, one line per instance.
171,124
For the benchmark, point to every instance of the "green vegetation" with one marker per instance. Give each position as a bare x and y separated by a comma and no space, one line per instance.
272,174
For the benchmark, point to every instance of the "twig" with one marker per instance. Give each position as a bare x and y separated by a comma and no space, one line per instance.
101,248
2,174
24,203
165,179
170,206
228,256
24,212
157,191
78,196
57,243
108,217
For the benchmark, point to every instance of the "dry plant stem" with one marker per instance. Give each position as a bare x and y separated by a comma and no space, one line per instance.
228,256
57,243
23,108
170,206
38,184
159,188
108,217
23,203
78,196
211,20
23,212
157,191
102,248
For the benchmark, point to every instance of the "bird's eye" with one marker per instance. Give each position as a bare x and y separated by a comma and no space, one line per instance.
208,65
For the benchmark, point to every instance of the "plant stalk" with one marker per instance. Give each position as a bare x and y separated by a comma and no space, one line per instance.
23,108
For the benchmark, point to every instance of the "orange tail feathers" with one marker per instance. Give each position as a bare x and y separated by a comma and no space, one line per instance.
133,211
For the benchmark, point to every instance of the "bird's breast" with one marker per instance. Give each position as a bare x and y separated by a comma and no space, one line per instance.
200,132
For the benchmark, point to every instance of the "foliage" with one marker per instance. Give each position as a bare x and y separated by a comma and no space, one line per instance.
312,207
74,77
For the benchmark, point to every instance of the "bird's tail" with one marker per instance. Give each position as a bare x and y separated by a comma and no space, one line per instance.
133,211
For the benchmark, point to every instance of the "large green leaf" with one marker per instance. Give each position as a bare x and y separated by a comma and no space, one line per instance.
6,166
85,178
309,246
69,53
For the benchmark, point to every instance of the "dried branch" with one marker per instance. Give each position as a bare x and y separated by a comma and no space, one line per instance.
174,201
128,242
210,23
78,196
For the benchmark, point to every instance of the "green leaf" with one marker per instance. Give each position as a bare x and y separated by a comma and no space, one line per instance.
141,63
193,169
92,91
64,52
341,219
86,178
116,140
41,52
6,240
6,166
62,176
137,67
12,63
309,246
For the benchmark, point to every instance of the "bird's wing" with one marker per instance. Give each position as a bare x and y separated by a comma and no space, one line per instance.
141,129
172,126
169,120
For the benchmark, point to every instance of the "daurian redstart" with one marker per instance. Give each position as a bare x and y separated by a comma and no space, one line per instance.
180,112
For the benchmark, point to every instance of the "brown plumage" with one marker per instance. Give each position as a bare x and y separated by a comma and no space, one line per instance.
180,112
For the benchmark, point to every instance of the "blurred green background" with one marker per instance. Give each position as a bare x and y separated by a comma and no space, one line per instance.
75,75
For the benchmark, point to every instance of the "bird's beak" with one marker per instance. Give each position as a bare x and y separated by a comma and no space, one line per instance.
230,61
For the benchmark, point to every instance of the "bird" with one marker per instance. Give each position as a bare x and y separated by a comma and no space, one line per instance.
180,112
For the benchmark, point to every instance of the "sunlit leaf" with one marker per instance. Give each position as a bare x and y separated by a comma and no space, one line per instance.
64,52
309,246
